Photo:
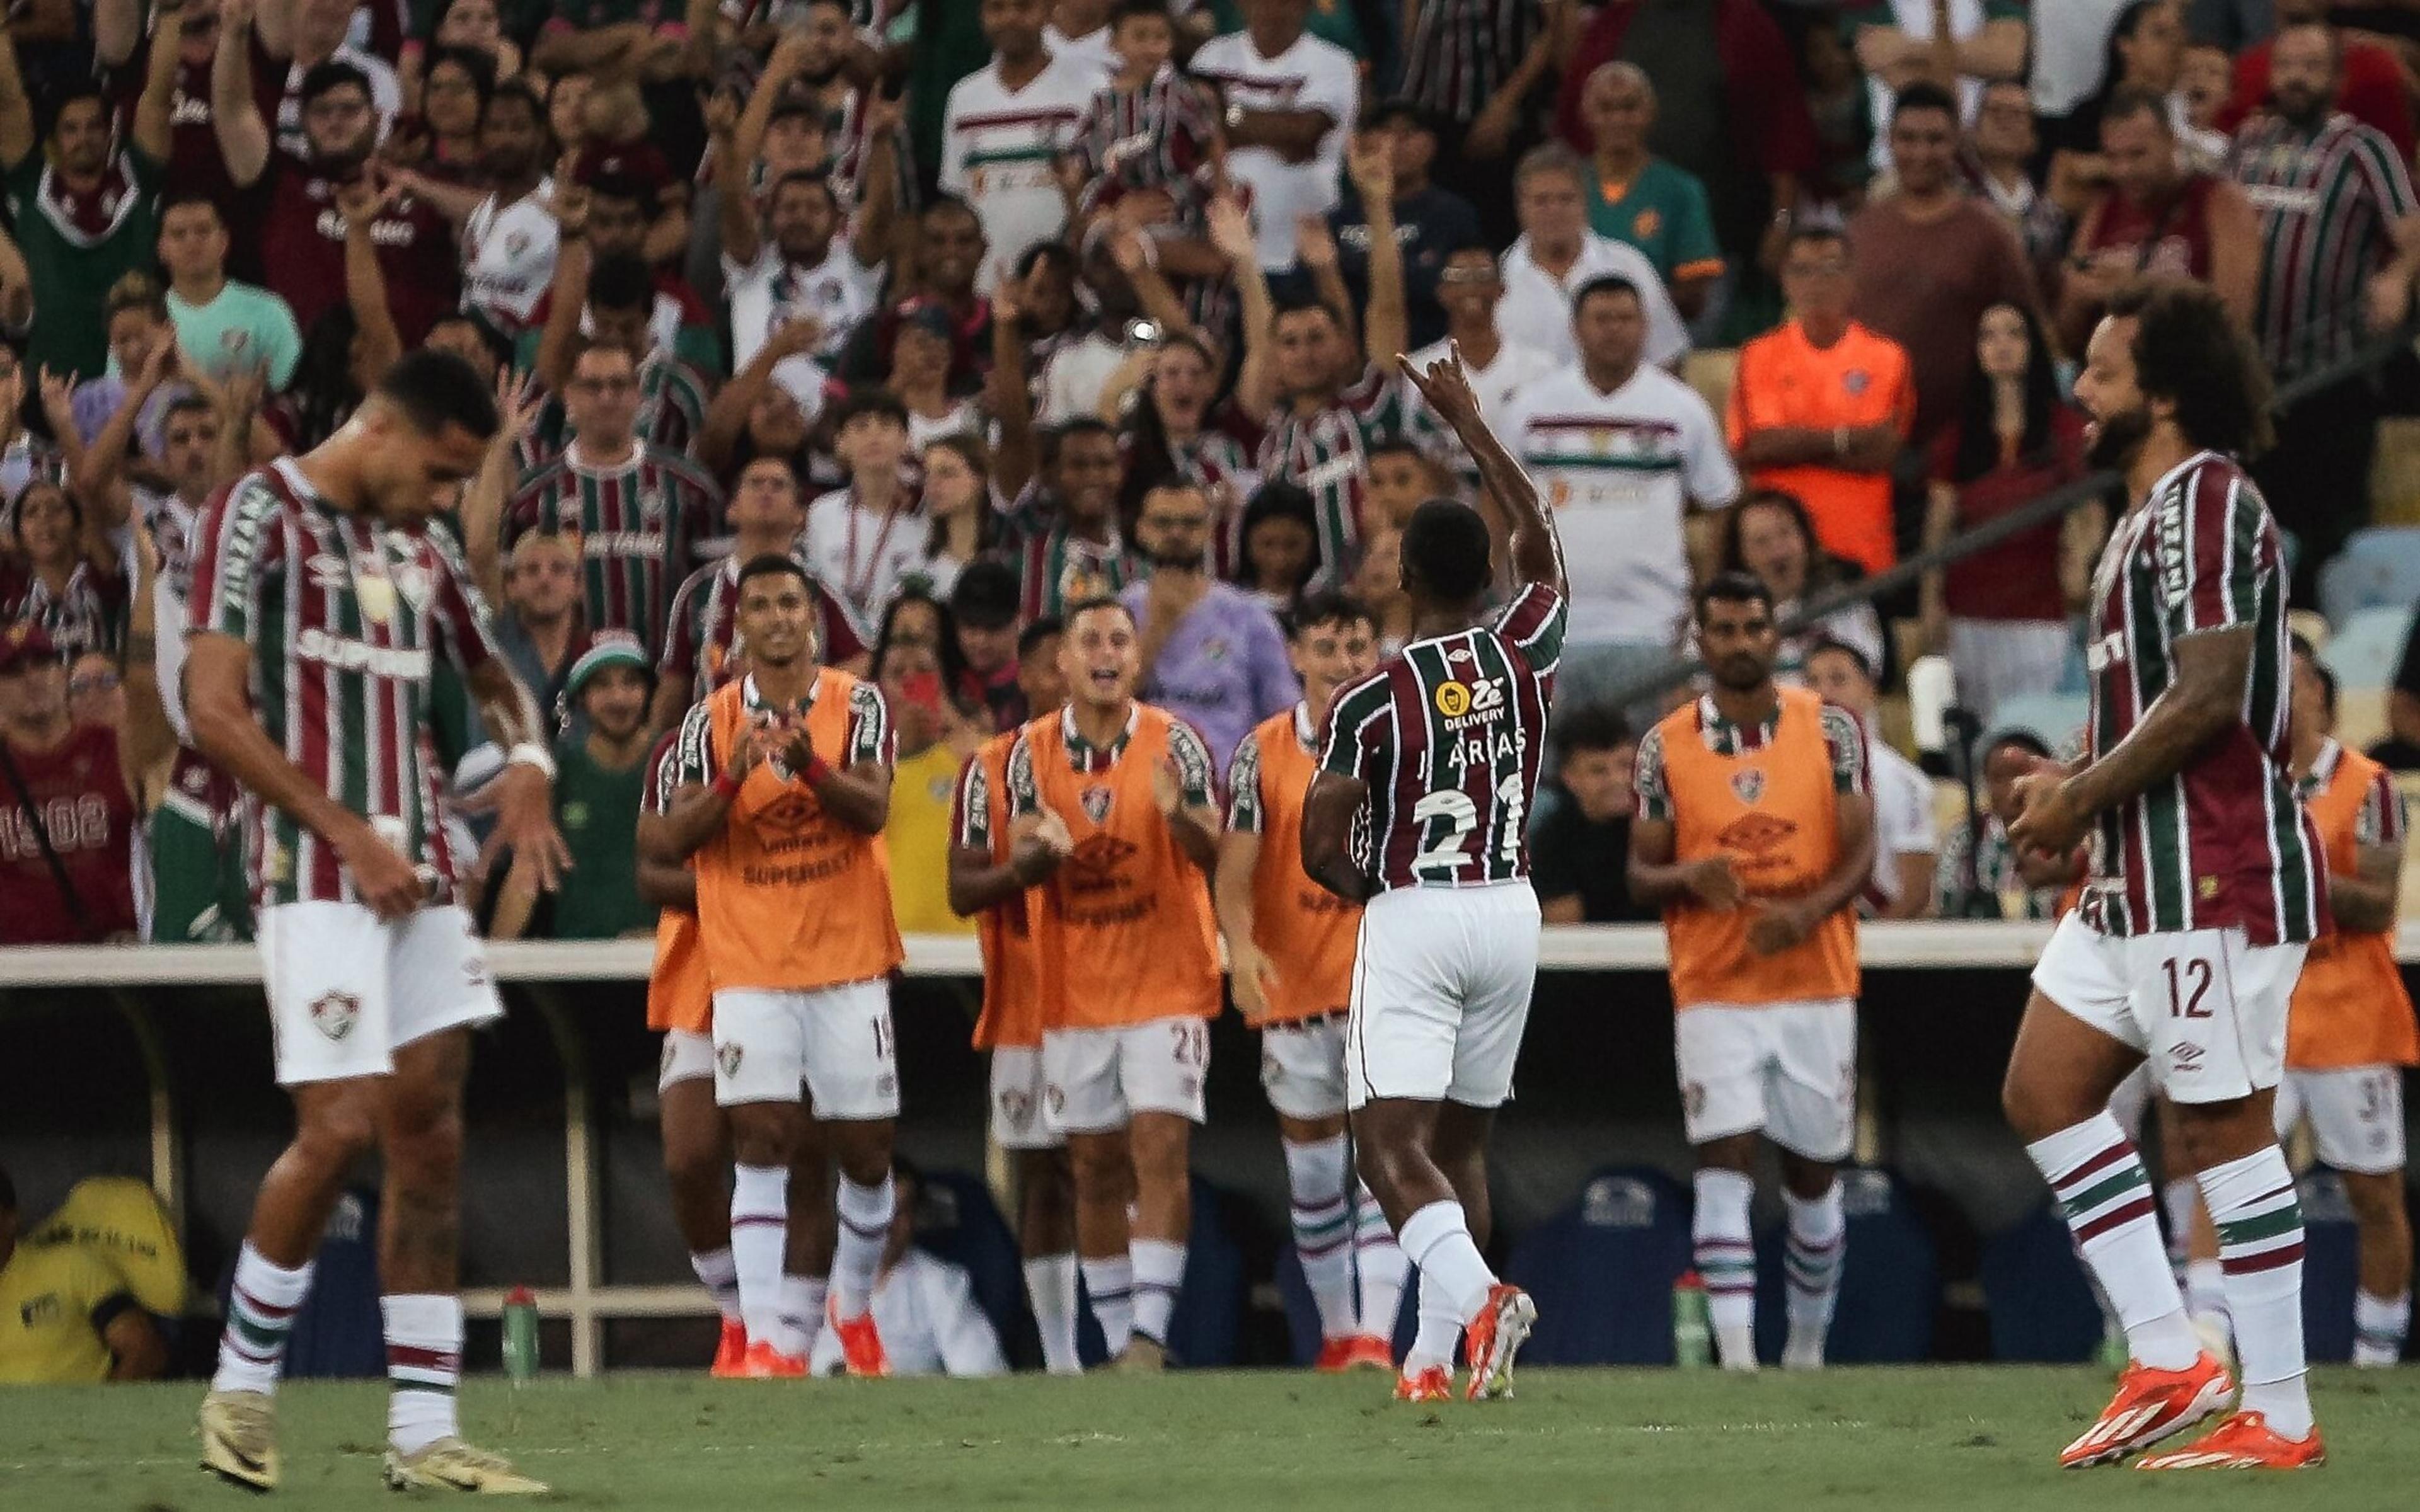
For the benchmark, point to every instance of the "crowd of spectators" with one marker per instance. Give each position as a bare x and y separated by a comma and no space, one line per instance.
981,308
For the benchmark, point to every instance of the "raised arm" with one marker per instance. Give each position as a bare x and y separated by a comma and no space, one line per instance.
567,297
877,180
735,207
1231,232
235,116
154,109
1387,327
1537,550
490,488
149,743
116,31
1018,455
726,415
381,342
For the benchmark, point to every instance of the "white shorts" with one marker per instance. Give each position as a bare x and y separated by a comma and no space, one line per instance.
687,1055
346,989
1441,983
1096,1080
835,1039
2356,1115
2206,1008
1786,1070
1017,1091
1302,1067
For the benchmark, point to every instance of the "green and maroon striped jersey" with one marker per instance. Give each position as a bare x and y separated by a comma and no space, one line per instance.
638,525
1448,733
672,412
346,619
2223,843
1327,454
2327,201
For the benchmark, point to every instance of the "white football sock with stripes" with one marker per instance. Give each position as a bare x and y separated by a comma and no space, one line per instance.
1051,1288
2379,1326
424,1369
261,1314
1109,1284
1382,1265
719,1275
866,1214
2259,1220
1158,1276
1322,1215
801,1317
1725,1262
1811,1259
760,1221
2097,1178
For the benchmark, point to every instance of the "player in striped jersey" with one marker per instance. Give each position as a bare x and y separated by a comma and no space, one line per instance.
2205,891
320,601
636,510
1426,773
1290,948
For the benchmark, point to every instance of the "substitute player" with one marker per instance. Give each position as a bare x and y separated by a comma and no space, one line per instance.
1123,797
2350,1031
785,786
1755,835
993,873
1290,956
2206,887
321,603
1426,772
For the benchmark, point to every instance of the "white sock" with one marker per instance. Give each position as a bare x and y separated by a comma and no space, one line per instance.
719,1275
424,1369
1438,1239
2259,1220
1322,1215
2100,1185
1051,1288
1726,1260
1109,1286
261,1314
866,1214
760,1225
2180,1200
802,1315
2205,1292
1382,1265
1811,1259
1158,1276
2379,1326
1439,1334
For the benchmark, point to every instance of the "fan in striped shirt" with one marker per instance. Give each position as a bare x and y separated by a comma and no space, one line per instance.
1062,530
1322,420
2206,889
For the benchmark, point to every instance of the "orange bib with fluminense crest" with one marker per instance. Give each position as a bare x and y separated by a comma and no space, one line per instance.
2349,1007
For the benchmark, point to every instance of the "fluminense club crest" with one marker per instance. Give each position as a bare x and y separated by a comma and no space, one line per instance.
334,1014
1748,784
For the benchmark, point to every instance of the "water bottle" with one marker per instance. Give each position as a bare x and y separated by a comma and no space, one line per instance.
520,1334
1692,1337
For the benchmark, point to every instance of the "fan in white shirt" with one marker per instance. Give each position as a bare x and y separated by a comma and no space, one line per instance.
1558,253
1004,128
1291,98
1079,29
862,540
924,1306
1470,288
793,264
1907,843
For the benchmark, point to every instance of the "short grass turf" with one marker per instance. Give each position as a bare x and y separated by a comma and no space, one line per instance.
1962,1438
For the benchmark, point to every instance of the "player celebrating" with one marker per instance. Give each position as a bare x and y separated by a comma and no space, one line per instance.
2206,887
1290,950
1755,835
311,688
2350,1030
1121,796
785,786
1426,772
992,872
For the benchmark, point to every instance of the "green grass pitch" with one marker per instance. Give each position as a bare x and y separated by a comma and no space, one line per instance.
1958,1439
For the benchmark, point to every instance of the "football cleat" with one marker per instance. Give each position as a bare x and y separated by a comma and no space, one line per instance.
1336,1356
2244,1442
1142,1356
764,1363
451,1465
1494,1337
731,1353
2151,1405
240,1438
1371,1352
860,1342
1433,1384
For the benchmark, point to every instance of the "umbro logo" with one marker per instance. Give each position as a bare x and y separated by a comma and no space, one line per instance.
2184,1055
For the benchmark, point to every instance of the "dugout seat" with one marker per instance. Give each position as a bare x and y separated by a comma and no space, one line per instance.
1602,1271
339,1332
957,1221
1890,1288
2040,1306
2331,1267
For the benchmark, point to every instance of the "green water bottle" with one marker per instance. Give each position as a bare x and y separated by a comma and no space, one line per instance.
1692,1336
520,1334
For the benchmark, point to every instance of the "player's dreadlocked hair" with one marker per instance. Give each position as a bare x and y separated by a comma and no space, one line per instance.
2189,350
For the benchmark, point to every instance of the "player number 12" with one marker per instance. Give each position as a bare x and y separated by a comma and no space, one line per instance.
2182,1004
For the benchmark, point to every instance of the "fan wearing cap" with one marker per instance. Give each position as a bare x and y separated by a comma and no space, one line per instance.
597,784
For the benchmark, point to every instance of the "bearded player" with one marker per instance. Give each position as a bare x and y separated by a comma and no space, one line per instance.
320,601
1426,774
2207,886
1290,945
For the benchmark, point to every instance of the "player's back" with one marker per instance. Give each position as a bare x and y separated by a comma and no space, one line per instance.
1448,733
2224,844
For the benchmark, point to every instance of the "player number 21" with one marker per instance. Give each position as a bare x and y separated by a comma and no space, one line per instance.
1460,815
2187,988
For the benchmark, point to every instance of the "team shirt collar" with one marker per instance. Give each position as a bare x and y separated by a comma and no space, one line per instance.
2324,771
1725,738
1303,729
753,700
1086,757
